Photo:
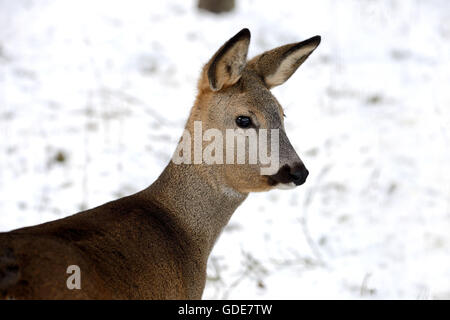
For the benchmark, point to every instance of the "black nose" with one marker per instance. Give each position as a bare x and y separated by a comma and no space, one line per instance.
299,174
296,174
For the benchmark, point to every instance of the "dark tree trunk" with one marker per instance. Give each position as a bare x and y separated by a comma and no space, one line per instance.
216,6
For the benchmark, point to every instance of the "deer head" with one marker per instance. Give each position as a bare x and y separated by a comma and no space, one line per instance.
235,94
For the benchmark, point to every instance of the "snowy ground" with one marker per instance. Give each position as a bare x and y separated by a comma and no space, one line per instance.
94,95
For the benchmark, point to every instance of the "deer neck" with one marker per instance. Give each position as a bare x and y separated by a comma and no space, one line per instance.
197,201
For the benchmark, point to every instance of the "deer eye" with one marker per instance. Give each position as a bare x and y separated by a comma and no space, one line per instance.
243,121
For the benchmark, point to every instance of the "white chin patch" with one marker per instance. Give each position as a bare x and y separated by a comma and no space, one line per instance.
285,186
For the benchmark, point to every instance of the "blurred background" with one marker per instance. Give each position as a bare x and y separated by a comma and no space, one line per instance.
94,96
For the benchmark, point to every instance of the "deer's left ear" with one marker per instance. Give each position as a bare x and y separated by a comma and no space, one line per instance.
225,67
278,65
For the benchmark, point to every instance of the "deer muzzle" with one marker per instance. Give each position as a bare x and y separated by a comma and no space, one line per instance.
296,173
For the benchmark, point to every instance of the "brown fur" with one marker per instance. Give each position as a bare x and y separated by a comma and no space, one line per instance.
155,244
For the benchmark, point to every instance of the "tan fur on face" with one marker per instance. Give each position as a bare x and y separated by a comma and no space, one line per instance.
244,90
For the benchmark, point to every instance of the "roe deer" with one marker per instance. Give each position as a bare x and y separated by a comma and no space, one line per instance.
155,244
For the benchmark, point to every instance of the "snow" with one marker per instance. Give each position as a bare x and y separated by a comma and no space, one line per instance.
94,95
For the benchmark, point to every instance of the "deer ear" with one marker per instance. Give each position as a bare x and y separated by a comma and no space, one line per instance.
278,65
225,67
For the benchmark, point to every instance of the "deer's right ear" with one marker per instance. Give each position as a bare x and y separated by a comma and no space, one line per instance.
225,67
